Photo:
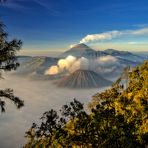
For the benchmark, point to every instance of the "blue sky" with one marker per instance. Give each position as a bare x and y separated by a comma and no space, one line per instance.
57,24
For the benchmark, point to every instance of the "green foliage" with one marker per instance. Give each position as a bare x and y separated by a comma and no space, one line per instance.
8,62
118,119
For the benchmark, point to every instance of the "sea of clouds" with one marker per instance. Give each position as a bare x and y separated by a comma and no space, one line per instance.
39,96
71,64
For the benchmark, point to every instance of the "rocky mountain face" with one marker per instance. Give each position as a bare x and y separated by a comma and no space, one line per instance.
35,65
83,79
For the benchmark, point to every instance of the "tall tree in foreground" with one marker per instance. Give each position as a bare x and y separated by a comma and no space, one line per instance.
118,119
8,62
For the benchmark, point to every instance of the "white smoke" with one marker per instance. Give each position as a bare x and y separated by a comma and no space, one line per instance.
71,59
71,64
53,70
72,45
101,36
114,34
63,64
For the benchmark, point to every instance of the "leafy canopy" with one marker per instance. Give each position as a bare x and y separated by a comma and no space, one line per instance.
118,119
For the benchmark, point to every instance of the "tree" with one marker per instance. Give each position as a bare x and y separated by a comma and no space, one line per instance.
117,120
8,62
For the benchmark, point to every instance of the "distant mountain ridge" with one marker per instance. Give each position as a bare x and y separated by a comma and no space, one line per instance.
116,52
35,65
38,65
82,50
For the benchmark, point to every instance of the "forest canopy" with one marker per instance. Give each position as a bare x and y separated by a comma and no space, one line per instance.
118,118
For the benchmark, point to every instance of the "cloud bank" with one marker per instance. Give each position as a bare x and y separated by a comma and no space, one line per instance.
114,34
71,64
39,96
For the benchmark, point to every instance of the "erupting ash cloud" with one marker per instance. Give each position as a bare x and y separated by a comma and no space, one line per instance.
71,64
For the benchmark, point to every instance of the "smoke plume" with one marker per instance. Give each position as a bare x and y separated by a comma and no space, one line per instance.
114,34
71,64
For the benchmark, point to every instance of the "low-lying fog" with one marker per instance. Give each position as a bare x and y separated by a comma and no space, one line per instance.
39,96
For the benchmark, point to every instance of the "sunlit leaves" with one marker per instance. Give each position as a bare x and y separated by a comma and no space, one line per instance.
118,119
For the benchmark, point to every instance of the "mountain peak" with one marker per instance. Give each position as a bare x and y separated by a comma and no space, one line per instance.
81,46
80,50
83,79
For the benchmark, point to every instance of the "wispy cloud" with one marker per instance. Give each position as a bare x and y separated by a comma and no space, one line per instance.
141,25
12,4
21,5
17,5
140,32
132,43
48,6
114,34
137,43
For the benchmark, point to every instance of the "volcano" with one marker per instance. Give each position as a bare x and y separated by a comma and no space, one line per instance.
81,50
83,79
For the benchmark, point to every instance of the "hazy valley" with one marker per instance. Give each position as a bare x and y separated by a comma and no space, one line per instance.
36,83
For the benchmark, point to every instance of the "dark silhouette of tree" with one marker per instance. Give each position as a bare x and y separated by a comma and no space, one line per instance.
8,62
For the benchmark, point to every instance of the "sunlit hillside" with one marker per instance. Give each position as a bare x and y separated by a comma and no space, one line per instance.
118,118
